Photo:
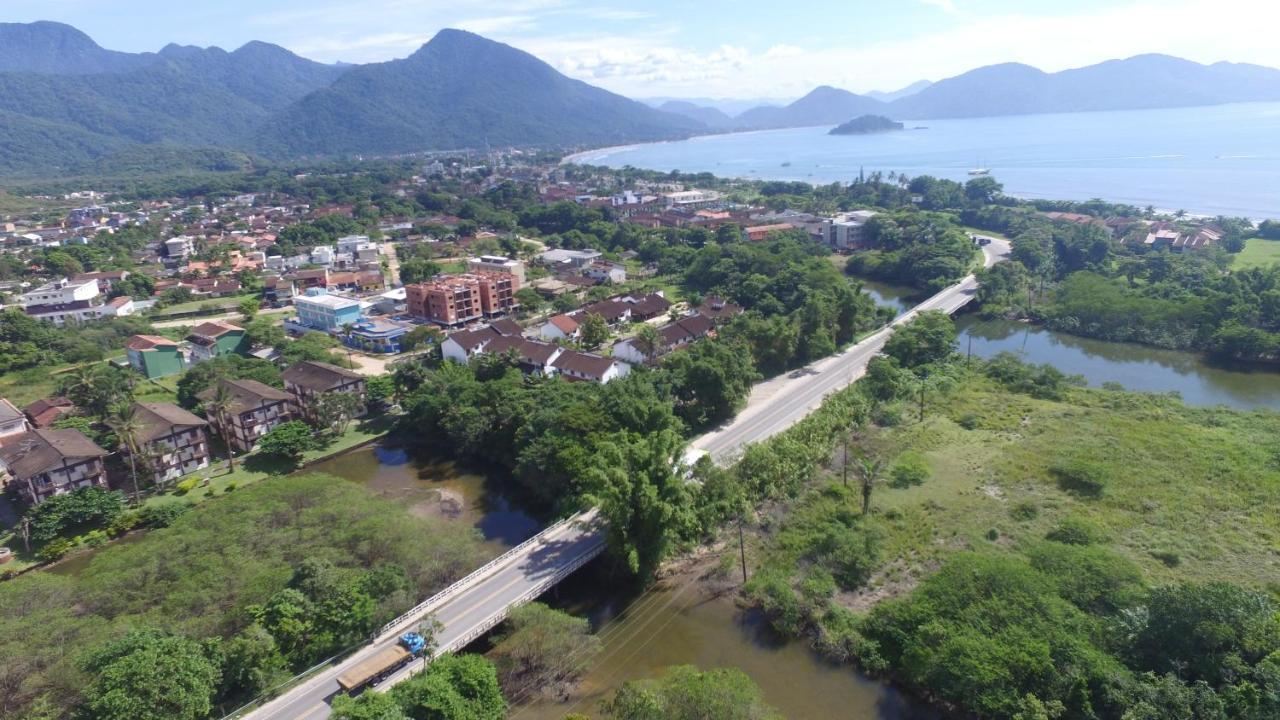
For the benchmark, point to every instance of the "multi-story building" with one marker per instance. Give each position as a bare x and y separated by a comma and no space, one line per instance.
844,231
155,356
61,292
173,441
307,380
318,310
214,339
254,410
455,300
44,463
497,264
181,247
12,421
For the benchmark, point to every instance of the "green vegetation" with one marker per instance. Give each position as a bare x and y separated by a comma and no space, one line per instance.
866,125
1259,252
28,343
1072,553
686,693
921,249
226,579
542,651
452,687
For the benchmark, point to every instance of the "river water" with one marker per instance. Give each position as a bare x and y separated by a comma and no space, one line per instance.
1219,160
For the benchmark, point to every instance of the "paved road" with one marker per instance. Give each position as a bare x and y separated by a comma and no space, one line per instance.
479,602
777,404
478,606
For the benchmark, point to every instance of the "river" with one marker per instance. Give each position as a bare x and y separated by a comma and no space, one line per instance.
1218,160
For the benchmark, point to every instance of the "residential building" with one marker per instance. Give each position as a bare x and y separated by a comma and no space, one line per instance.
319,310
45,412
606,271
690,199
497,264
462,344
181,247
61,313
533,356
173,441
155,356
106,279
307,380
845,231
560,327
718,310
12,421
61,292
455,300
214,339
637,350
255,409
573,365
42,463
757,233
121,306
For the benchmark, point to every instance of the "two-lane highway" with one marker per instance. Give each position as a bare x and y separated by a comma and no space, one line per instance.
779,403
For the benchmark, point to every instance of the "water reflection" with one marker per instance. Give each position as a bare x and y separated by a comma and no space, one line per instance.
1136,367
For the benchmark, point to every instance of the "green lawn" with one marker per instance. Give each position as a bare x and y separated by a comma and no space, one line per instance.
1258,252
224,303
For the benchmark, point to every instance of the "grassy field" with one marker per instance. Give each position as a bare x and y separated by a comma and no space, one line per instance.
1181,502
224,303
1258,252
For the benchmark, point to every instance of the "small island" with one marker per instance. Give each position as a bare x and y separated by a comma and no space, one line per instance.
866,125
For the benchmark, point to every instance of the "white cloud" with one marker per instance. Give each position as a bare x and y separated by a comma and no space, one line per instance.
943,5
1201,30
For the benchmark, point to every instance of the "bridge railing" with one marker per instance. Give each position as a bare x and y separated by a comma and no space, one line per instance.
479,573
492,621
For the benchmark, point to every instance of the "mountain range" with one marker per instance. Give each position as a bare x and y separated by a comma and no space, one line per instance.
70,106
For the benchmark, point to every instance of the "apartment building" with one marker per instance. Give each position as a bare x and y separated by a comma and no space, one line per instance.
456,300
255,409
307,380
174,442
45,462
497,264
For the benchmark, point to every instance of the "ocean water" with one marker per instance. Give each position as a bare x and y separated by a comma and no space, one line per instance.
1219,160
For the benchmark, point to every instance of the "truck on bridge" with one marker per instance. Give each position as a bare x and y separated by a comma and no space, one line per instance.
383,663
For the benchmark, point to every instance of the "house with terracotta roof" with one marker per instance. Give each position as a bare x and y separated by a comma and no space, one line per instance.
560,327
214,339
174,442
686,330
155,356
718,310
255,409
308,380
45,412
45,462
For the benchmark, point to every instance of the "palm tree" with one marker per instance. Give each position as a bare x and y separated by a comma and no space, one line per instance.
869,470
346,335
124,421
217,407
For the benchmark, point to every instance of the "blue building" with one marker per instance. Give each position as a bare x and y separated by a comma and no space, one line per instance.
376,336
319,310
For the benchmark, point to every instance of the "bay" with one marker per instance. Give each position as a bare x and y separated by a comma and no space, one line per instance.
1217,160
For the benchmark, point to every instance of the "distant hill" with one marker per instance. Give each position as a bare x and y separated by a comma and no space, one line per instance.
729,106
866,125
823,106
711,117
907,91
58,49
461,90
1144,81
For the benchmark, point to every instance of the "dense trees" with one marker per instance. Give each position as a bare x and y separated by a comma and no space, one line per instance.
150,675
686,693
27,343
542,651
924,250
200,577
928,338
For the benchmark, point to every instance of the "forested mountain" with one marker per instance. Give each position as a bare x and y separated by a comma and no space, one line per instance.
1144,81
461,90
713,118
823,106
58,49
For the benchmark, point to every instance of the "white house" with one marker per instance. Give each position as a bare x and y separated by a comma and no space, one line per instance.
574,365
560,327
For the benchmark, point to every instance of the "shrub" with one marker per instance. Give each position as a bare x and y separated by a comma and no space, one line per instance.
185,486
94,538
1080,476
1024,511
910,469
1076,531
160,516
55,549
124,524
1170,559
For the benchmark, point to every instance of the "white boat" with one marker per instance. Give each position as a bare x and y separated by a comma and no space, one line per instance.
978,172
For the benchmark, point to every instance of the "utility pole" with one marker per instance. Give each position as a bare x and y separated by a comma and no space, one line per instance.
844,467
742,549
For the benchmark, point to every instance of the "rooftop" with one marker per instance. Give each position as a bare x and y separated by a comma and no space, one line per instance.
36,451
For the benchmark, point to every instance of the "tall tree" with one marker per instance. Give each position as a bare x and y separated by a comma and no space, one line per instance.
124,421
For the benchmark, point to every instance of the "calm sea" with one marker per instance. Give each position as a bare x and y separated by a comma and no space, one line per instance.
1220,160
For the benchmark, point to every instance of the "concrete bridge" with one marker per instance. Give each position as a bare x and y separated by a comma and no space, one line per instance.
475,604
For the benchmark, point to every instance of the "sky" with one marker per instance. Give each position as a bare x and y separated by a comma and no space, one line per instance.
712,48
